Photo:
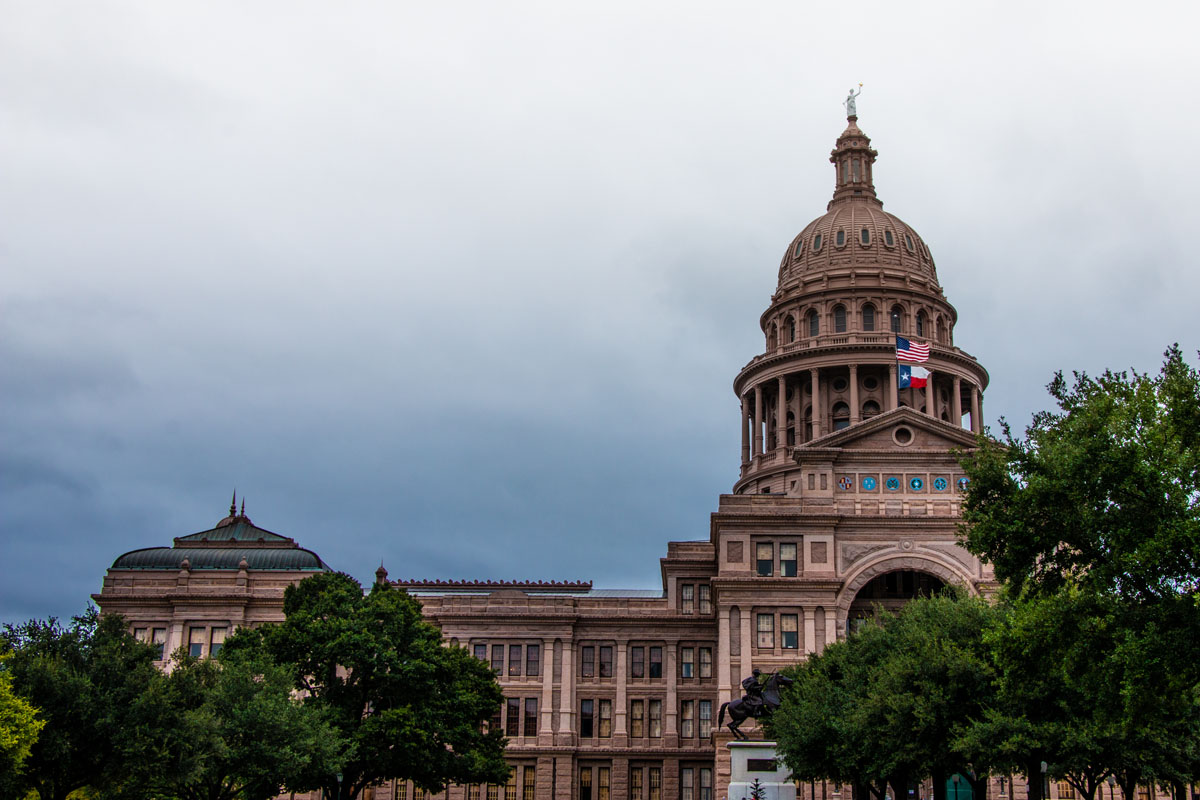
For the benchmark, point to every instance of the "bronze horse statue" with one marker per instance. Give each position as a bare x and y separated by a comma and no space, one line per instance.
760,700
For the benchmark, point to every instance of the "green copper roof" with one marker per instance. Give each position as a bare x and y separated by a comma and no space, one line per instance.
272,558
241,529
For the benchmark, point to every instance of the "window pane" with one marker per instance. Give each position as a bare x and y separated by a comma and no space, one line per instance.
497,658
637,718
839,319
481,652
635,784
868,318
588,662
705,662
655,662
705,598
605,719
158,638
514,659
533,660
705,719
654,774
585,719
787,560
686,598
686,784
529,783
764,558
766,630
585,783
687,711
606,665
602,783
687,663
512,723
196,642
655,718
531,705
637,658
789,630
217,641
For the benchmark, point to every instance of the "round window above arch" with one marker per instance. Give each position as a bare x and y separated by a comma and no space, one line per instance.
903,436
839,384
870,383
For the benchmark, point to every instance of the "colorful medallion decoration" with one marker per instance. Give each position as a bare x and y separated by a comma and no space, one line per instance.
940,484
962,483
917,484
846,482
868,483
893,484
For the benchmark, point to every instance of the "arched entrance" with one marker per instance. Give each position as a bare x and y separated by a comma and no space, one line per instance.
889,592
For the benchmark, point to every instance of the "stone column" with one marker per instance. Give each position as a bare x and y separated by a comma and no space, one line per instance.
930,409
566,707
745,429
855,411
747,643
810,630
976,425
620,701
956,408
723,693
818,419
758,421
781,415
893,386
547,722
830,625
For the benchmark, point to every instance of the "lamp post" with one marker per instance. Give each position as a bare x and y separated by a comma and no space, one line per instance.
1111,780
955,779
1045,782
1002,787
339,777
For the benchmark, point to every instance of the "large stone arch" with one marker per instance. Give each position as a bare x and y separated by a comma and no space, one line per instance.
943,569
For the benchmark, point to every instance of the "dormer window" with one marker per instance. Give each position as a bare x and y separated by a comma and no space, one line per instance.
799,248
816,242
887,239
908,242
841,238
865,236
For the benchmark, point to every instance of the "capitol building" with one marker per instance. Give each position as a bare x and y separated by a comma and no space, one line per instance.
848,499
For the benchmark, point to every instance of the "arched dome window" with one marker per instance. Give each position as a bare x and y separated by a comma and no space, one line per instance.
841,239
940,331
897,319
908,242
791,429
920,323
839,319
772,337
799,248
841,416
814,323
808,423
888,239
868,317
865,236
870,409
817,243
789,329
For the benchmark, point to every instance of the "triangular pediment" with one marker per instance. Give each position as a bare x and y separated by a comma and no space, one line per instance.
883,432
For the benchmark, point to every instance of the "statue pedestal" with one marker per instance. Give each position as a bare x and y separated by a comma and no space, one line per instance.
750,761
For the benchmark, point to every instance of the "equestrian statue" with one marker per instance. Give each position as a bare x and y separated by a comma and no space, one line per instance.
760,700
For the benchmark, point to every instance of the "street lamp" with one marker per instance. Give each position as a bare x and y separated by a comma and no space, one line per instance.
339,777
955,779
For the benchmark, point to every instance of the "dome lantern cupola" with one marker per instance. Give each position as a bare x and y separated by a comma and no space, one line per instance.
852,159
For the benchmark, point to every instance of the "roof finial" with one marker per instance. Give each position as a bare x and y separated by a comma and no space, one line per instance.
233,504
851,109
243,505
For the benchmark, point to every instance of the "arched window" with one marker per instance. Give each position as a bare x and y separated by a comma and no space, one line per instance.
887,239
841,416
799,248
807,423
791,429
920,323
841,238
772,337
870,409
839,319
816,243
814,323
940,331
865,236
897,317
868,317
789,328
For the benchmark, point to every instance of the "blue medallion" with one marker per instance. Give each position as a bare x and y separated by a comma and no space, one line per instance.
917,484
893,484
940,484
868,483
962,483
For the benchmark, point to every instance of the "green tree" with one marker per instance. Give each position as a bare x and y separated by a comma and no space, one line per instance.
89,682
19,727
232,730
404,705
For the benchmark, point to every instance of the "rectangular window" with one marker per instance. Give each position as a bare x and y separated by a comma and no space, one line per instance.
605,714
687,785
655,719
493,792
704,594
587,661
585,719
514,660
510,788
402,791
637,718
512,724
533,660
687,662
472,790
419,793
481,652
687,719
602,774
687,598
705,662
531,720
764,559
585,783
705,783
789,631
496,723
636,789
606,655
158,638
217,641
195,642
787,560
497,658
637,662
766,631
705,719
655,662
529,783
654,778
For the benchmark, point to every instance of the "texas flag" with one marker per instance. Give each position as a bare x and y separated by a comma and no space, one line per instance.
911,351
913,377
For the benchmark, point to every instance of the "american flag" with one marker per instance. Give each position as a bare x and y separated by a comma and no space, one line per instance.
910,351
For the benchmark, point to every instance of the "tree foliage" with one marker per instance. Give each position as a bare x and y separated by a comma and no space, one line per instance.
403,704
19,726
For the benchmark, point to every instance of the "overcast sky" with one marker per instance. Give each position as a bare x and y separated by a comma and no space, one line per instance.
462,287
